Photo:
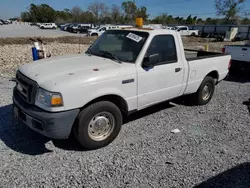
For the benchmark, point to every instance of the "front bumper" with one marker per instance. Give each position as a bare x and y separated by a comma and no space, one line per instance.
53,125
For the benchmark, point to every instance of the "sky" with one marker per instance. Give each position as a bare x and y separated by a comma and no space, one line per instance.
200,8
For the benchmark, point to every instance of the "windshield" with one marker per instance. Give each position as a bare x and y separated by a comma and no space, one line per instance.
124,45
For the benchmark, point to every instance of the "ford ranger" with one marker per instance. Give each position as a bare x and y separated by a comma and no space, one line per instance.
123,71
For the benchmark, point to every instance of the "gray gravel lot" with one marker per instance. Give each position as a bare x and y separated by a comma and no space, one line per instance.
25,30
212,147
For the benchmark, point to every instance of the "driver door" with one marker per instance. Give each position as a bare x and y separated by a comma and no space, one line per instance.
164,80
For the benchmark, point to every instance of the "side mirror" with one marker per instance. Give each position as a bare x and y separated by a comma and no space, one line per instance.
151,60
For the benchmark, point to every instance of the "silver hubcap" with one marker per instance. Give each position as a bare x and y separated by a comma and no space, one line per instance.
207,90
101,126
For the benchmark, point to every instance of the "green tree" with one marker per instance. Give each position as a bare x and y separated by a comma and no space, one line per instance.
99,10
130,10
116,14
39,13
229,9
25,16
142,12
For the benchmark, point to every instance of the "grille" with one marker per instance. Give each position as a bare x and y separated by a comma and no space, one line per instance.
26,88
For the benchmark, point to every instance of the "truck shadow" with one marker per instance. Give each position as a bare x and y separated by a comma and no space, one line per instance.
145,112
238,176
22,139
239,76
19,137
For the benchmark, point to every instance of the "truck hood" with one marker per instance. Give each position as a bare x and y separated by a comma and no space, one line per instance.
79,69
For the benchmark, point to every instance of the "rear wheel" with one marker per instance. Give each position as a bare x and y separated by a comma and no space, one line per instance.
205,92
94,34
193,34
98,125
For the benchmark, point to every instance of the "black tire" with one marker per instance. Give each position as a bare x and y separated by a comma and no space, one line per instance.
192,34
94,34
198,98
81,128
42,27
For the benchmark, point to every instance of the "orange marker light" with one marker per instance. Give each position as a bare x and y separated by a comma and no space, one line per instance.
56,100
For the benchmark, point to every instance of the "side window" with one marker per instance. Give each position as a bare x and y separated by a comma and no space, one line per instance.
164,45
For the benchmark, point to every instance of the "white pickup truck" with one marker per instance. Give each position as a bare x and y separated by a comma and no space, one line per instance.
48,26
100,30
240,57
123,71
185,31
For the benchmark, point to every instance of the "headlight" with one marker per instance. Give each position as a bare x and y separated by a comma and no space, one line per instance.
50,99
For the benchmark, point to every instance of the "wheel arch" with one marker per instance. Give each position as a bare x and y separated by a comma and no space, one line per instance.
214,74
119,101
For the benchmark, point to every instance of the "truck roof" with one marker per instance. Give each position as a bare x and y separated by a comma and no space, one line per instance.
152,31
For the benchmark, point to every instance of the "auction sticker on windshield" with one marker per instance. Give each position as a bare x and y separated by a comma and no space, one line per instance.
134,37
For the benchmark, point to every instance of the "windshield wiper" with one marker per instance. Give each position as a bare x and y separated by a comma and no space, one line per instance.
110,54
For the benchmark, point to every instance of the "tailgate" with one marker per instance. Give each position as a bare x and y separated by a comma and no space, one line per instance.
239,53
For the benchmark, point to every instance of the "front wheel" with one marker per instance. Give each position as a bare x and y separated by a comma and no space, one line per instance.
98,125
205,92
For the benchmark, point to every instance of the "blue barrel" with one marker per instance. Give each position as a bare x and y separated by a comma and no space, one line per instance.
35,54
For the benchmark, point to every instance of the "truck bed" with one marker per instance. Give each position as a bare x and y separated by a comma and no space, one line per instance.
192,55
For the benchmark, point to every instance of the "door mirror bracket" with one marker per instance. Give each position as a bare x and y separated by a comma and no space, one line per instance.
151,61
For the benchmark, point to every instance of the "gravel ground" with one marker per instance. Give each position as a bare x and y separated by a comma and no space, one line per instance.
212,147
13,56
25,30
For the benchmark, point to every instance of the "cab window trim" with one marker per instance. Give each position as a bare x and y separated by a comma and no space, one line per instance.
164,62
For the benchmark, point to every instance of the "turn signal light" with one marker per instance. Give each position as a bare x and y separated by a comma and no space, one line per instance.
56,100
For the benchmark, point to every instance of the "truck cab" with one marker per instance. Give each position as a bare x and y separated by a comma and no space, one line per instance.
123,71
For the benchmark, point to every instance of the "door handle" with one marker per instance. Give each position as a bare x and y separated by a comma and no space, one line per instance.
178,69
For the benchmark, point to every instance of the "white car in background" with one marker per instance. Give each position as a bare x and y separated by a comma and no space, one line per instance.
100,30
185,31
48,26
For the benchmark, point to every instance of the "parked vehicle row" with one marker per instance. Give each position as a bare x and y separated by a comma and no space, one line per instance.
89,29
5,22
44,25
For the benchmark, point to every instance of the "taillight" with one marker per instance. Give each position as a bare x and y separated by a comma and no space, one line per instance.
223,50
229,64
